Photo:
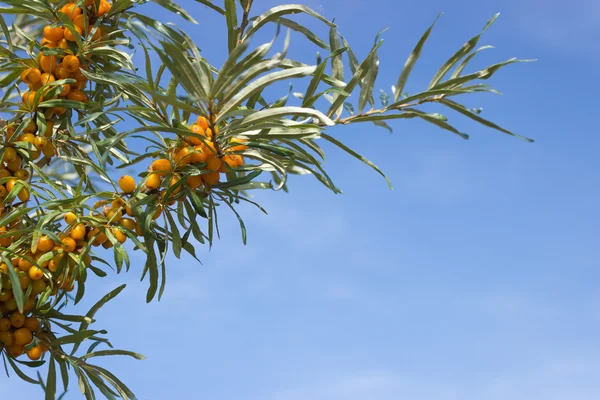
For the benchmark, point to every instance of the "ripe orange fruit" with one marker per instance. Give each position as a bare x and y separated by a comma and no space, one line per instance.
48,150
31,76
38,287
29,98
103,8
35,274
70,217
79,21
119,235
153,181
77,95
213,163
69,245
61,72
9,155
48,63
78,232
70,36
70,11
184,156
71,63
6,337
202,122
17,319
24,195
15,350
161,167
238,146
127,223
22,174
211,178
32,323
194,181
24,265
53,34
22,336
4,324
101,237
47,78
40,142
195,128
35,353
63,44
233,160
127,184
49,129
65,91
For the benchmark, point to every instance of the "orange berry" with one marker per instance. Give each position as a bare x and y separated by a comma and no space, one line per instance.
233,160
78,232
70,36
211,178
31,76
238,146
6,337
70,10
197,130
9,155
32,323
65,90
48,63
199,155
161,167
194,181
119,235
53,34
70,217
103,8
213,163
153,181
71,63
35,273
47,78
79,21
69,245
17,319
22,336
35,353
63,44
127,184
15,350
127,223
45,244
77,95
61,71
202,122
40,142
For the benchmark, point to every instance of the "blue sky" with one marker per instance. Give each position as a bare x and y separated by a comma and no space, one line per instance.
475,279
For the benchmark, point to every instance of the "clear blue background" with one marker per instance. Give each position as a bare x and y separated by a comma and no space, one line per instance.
475,279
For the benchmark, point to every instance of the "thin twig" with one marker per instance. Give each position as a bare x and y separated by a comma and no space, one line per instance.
245,21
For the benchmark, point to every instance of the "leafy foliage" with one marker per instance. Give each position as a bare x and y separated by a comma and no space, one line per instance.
209,136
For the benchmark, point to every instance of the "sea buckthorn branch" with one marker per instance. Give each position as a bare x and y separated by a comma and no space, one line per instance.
211,135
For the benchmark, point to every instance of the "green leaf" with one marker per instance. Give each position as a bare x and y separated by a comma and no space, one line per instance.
51,380
232,23
276,12
464,111
411,61
356,155
463,51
